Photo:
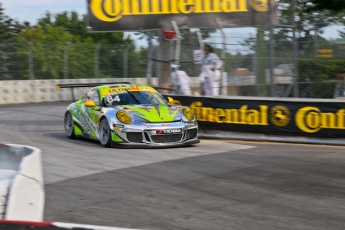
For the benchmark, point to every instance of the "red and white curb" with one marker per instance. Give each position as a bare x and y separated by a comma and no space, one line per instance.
27,225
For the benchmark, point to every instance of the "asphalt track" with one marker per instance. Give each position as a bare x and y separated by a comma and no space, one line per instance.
213,185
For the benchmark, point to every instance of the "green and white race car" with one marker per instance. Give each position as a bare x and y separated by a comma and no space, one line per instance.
130,115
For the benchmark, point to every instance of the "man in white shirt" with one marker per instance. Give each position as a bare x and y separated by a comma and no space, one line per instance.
180,81
210,75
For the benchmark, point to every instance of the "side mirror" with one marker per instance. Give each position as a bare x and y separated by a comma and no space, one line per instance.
90,104
170,100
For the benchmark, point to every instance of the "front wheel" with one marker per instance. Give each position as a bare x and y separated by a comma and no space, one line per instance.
105,133
69,125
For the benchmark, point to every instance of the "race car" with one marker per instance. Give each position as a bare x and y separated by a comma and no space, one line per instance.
130,115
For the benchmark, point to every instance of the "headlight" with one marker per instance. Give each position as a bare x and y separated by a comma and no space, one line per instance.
188,114
124,117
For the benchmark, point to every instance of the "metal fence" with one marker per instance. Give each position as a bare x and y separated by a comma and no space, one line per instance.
316,73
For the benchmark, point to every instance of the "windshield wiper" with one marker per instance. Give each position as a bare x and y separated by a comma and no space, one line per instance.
133,96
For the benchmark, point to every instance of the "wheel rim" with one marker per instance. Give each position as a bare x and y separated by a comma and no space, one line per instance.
104,132
69,124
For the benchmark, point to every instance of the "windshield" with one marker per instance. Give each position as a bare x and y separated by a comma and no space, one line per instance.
133,97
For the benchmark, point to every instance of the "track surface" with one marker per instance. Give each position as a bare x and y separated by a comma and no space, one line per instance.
214,185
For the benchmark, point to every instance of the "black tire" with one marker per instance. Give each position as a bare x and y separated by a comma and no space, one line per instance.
105,133
69,125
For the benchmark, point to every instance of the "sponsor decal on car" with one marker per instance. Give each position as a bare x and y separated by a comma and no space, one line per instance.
168,131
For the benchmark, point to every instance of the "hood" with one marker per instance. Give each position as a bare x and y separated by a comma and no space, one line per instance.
154,113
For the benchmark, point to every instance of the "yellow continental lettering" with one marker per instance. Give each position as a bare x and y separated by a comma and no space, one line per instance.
207,114
198,6
174,8
305,119
252,117
126,8
164,6
341,119
216,6
211,6
219,115
264,114
242,6
232,6
328,120
230,116
195,107
145,7
186,6
233,116
243,112
313,120
111,12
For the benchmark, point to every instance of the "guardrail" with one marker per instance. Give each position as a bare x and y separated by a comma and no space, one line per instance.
21,183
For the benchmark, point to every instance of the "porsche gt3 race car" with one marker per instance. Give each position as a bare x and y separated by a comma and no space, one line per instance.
130,115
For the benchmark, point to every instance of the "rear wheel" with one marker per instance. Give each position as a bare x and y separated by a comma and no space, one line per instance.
69,125
105,133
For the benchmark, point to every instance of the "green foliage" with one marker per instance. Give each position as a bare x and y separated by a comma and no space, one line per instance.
322,74
332,5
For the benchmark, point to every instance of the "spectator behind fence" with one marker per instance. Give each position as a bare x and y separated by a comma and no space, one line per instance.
210,74
180,81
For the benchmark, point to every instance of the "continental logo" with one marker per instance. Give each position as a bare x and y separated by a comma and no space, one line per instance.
280,116
259,5
312,120
243,115
113,10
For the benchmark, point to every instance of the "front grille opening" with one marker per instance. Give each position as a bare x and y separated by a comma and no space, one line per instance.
147,137
166,138
191,134
135,137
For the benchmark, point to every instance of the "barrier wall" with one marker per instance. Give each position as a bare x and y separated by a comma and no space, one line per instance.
275,116
21,183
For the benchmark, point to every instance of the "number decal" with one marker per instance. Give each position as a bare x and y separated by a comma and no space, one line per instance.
112,97
116,98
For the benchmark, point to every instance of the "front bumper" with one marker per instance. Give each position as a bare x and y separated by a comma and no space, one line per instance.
154,135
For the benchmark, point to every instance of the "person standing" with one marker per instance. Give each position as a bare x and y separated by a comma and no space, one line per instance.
180,81
210,75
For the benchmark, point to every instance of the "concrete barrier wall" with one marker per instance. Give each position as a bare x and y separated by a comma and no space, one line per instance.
21,183
36,91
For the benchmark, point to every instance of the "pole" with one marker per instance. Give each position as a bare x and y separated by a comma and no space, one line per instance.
125,62
178,44
222,87
97,60
66,60
30,61
149,57
295,50
271,49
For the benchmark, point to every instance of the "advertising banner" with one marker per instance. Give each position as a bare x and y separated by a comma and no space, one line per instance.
274,117
139,15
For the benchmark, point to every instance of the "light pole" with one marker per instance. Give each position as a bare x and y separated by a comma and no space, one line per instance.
125,62
97,60
66,60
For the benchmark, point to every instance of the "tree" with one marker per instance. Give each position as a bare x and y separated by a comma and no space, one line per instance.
8,29
332,5
76,25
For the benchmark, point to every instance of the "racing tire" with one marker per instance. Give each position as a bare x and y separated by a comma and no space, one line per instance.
69,125
105,133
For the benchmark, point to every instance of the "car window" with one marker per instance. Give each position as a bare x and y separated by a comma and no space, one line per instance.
133,97
93,95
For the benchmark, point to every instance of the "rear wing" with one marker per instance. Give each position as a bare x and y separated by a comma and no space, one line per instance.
79,85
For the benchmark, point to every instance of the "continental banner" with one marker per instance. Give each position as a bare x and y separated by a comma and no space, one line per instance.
138,15
305,118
